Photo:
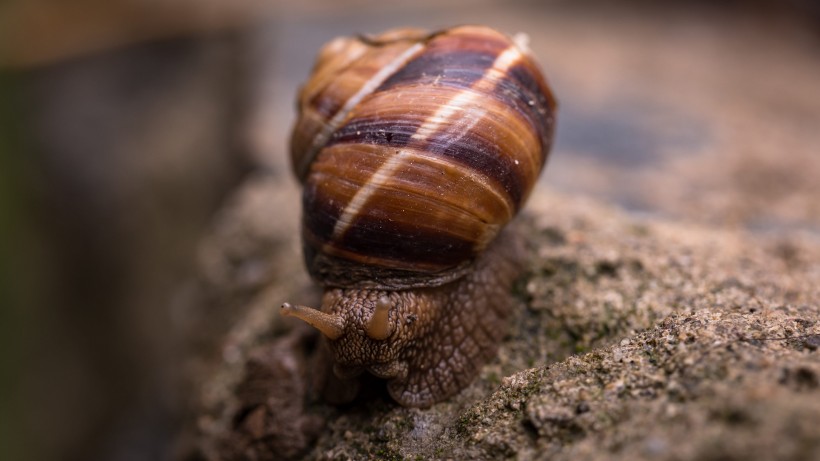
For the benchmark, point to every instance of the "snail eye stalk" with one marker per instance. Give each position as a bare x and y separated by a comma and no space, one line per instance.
331,326
378,327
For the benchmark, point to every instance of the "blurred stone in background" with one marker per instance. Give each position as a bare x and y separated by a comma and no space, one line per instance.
130,121
126,122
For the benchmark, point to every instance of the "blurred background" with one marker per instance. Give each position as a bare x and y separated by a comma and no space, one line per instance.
126,125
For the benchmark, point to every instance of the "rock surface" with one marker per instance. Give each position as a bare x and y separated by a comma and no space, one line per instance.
634,339
685,328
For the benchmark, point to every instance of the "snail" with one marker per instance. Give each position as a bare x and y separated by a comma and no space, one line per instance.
414,150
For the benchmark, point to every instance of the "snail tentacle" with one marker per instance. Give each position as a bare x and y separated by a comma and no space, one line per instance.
378,327
331,326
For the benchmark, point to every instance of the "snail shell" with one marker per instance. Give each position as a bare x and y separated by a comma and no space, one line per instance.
414,150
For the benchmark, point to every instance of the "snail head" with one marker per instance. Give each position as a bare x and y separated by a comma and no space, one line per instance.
344,312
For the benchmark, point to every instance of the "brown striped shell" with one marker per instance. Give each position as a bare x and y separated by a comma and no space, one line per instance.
414,150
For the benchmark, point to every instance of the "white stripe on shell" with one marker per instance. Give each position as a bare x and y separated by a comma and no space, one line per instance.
452,109
369,87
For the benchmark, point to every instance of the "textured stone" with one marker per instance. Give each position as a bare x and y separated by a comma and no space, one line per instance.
638,339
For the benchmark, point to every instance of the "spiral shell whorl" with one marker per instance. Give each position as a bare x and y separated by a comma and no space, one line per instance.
415,150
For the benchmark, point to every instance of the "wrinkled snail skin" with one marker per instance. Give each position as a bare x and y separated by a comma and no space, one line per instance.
440,336
415,150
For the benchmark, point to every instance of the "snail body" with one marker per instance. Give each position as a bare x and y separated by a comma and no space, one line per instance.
415,150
